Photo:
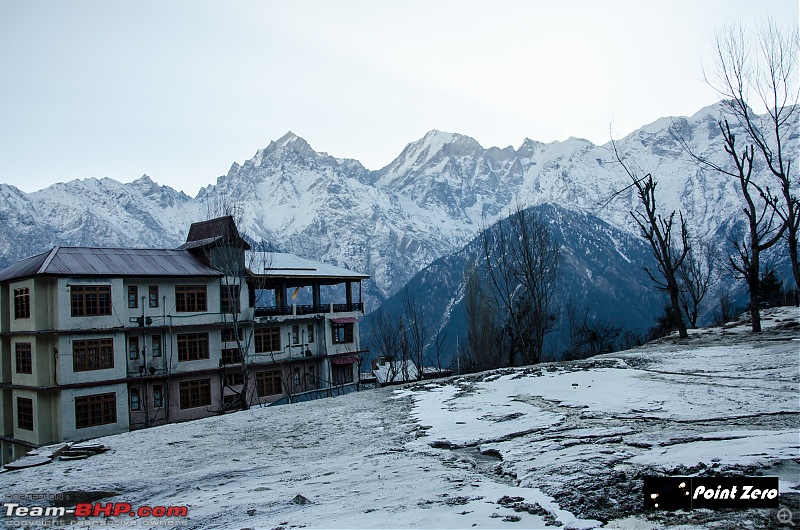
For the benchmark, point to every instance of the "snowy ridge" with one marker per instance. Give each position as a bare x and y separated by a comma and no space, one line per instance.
428,202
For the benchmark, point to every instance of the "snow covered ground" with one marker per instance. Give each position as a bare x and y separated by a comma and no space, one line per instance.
557,445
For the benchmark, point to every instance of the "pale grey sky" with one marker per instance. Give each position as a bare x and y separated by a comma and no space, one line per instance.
180,89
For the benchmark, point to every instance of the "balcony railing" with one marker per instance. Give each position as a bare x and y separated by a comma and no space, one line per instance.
271,311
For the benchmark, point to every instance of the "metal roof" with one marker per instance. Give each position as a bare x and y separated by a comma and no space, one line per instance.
283,265
83,261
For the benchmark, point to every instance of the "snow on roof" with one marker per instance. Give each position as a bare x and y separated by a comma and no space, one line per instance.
396,372
289,265
84,261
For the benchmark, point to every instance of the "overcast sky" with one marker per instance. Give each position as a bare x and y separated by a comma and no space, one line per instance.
181,89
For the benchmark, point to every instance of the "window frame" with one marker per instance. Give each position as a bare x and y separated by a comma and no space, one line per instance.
135,399
227,302
231,356
23,358
156,351
227,334
95,410
22,303
197,393
158,396
133,297
267,380
239,379
152,296
347,330
133,348
193,346
191,298
92,354
81,305
264,338
25,413
340,370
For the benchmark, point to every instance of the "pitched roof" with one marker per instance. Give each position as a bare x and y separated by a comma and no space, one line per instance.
82,261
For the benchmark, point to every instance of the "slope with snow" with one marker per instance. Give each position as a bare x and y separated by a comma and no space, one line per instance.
563,444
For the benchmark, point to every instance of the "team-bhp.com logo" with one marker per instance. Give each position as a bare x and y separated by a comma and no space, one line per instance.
158,515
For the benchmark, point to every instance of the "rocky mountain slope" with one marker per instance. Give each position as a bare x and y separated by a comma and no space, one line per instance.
600,272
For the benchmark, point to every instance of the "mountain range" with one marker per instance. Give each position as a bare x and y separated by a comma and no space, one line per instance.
428,203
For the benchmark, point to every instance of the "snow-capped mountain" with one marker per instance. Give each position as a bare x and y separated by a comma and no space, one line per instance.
428,202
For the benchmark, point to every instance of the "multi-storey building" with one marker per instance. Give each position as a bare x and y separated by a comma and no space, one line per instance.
96,341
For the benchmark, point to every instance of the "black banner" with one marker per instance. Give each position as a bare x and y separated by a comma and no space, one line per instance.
685,493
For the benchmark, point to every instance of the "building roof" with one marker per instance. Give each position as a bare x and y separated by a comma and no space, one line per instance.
283,265
83,261
205,233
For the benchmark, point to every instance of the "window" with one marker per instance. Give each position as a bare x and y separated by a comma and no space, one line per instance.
136,403
158,396
93,354
231,356
90,300
268,383
231,401
98,409
295,334
229,301
311,333
24,358
133,347
195,393
156,346
342,333
22,303
267,339
25,413
312,381
228,335
133,297
190,298
152,296
236,379
342,374
296,377
193,346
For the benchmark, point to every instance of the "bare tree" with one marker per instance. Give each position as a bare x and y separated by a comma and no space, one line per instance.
481,350
668,250
588,336
385,340
438,344
696,274
416,330
726,310
764,70
522,262
761,212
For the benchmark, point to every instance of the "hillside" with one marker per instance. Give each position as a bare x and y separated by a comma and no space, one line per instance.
555,444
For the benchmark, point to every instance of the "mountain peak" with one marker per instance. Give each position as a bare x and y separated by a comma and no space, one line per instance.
289,141
435,136
288,138
144,179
